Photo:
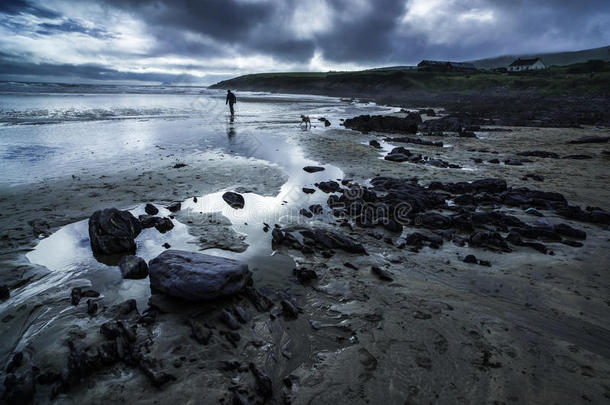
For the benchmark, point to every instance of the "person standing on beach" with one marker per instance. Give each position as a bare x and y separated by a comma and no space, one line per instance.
231,99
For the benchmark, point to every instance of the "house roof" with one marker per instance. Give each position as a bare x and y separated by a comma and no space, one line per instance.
524,62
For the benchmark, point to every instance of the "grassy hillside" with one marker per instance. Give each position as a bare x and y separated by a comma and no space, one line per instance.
558,58
578,79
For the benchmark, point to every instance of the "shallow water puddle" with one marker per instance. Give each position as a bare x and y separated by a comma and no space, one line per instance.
67,252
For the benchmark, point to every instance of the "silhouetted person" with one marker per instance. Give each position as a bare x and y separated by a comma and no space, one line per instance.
231,99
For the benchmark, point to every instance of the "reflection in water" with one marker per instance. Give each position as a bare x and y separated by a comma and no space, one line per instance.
231,128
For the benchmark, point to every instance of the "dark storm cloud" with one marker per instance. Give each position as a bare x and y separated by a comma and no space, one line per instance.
275,34
22,6
379,35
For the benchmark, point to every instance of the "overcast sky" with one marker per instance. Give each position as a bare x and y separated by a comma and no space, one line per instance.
184,41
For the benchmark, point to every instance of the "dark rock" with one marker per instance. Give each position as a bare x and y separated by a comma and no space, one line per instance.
313,169
471,259
567,230
494,161
174,207
467,134
533,211
384,123
289,310
307,190
578,157
382,274
148,221
229,320
234,200
179,165
416,141
490,240
490,185
327,123
164,225
264,385
328,186
428,111
113,231
539,153
133,267
533,176
77,294
277,236
5,293
591,139
166,245
305,275
92,307
196,276
151,209
375,144
14,363
513,162
433,220
19,390
316,209
334,240
396,157
305,213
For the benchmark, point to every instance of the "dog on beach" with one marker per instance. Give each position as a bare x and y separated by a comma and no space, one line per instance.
305,120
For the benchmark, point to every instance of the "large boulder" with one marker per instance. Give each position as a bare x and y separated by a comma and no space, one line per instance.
112,231
196,276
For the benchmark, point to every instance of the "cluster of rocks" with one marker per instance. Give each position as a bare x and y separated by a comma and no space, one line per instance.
401,154
552,155
310,241
385,123
464,126
464,212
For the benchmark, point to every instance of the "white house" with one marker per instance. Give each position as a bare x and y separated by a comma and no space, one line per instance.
526,64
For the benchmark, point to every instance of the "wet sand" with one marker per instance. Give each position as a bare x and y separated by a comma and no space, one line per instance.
532,328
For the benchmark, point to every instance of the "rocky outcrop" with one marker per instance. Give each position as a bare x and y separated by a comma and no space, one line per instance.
385,123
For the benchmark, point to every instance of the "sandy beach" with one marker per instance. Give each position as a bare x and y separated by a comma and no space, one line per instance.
425,327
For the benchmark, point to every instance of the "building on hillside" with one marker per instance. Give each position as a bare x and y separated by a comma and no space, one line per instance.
526,64
441,66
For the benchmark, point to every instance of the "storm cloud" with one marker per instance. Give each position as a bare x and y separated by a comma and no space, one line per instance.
201,41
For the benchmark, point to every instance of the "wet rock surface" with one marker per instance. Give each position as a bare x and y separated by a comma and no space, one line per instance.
195,276
113,231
